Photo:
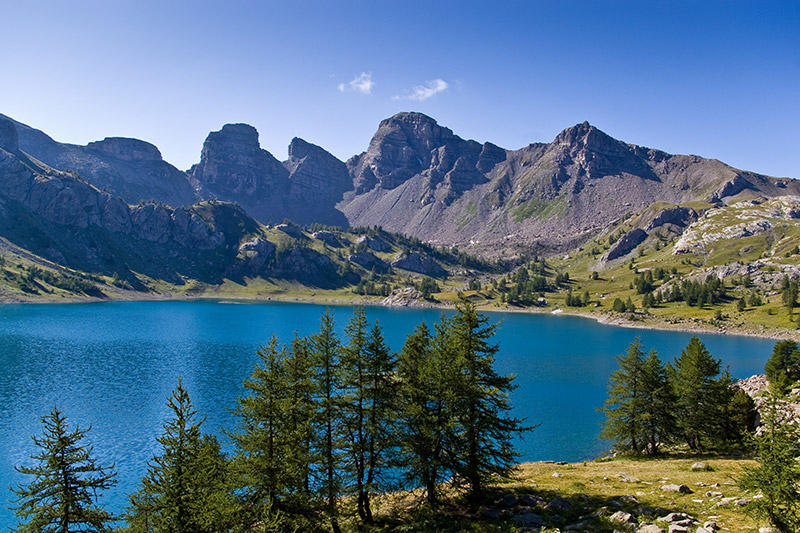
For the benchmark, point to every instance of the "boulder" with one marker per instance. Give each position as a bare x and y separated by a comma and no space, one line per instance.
291,230
509,500
672,487
558,505
623,519
701,467
529,520
650,528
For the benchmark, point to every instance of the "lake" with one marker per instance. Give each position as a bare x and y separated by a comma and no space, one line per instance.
113,365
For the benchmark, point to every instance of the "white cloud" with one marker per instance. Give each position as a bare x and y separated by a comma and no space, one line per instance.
362,83
423,92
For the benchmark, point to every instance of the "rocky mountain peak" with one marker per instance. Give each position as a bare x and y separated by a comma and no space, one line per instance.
9,141
315,172
127,149
233,165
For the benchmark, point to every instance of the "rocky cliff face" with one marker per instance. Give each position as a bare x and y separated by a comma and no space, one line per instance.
420,179
129,168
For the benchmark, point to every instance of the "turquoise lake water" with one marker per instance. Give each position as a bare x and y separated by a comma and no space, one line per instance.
113,365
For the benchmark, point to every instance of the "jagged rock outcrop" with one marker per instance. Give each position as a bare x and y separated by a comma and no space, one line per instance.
552,196
129,168
416,262
328,237
369,261
677,216
234,167
374,243
308,267
626,244
9,139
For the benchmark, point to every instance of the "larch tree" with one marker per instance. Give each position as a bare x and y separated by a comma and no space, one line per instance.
67,483
325,351
625,405
186,486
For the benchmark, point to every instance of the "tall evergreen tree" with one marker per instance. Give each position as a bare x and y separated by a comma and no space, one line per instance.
325,354
426,431
63,496
703,395
185,487
625,406
783,367
381,365
483,402
355,381
659,403
261,443
367,366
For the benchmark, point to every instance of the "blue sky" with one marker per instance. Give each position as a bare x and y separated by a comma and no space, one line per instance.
715,78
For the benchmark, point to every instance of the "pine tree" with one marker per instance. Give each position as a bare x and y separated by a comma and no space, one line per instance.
625,406
783,367
325,354
426,409
777,476
355,383
63,496
261,443
186,486
381,365
482,403
659,403
703,395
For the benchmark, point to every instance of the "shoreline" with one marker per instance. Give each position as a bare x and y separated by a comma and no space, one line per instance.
646,322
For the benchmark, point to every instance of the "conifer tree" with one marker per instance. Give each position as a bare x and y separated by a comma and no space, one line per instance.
625,406
367,366
63,496
262,442
777,476
186,486
703,395
325,354
381,365
659,403
426,414
482,402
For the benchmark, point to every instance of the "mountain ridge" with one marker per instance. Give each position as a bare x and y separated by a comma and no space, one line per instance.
418,177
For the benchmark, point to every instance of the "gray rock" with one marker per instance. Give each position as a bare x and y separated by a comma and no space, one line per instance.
327,237
584,525
530,500
418,263
623,518
509,500
490,514
626,244
675,517
9,140
672,487
375,244
674,528
558,505
628,479
650,528
291,230
529,519
677,216
368,261
701,467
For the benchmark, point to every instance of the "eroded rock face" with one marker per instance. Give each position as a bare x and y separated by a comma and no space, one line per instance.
315,173
418,263
410,144
9,140
368,260
126,149
233,166
677,216
627,243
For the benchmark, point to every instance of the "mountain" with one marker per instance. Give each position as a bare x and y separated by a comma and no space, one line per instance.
419,178
130,168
